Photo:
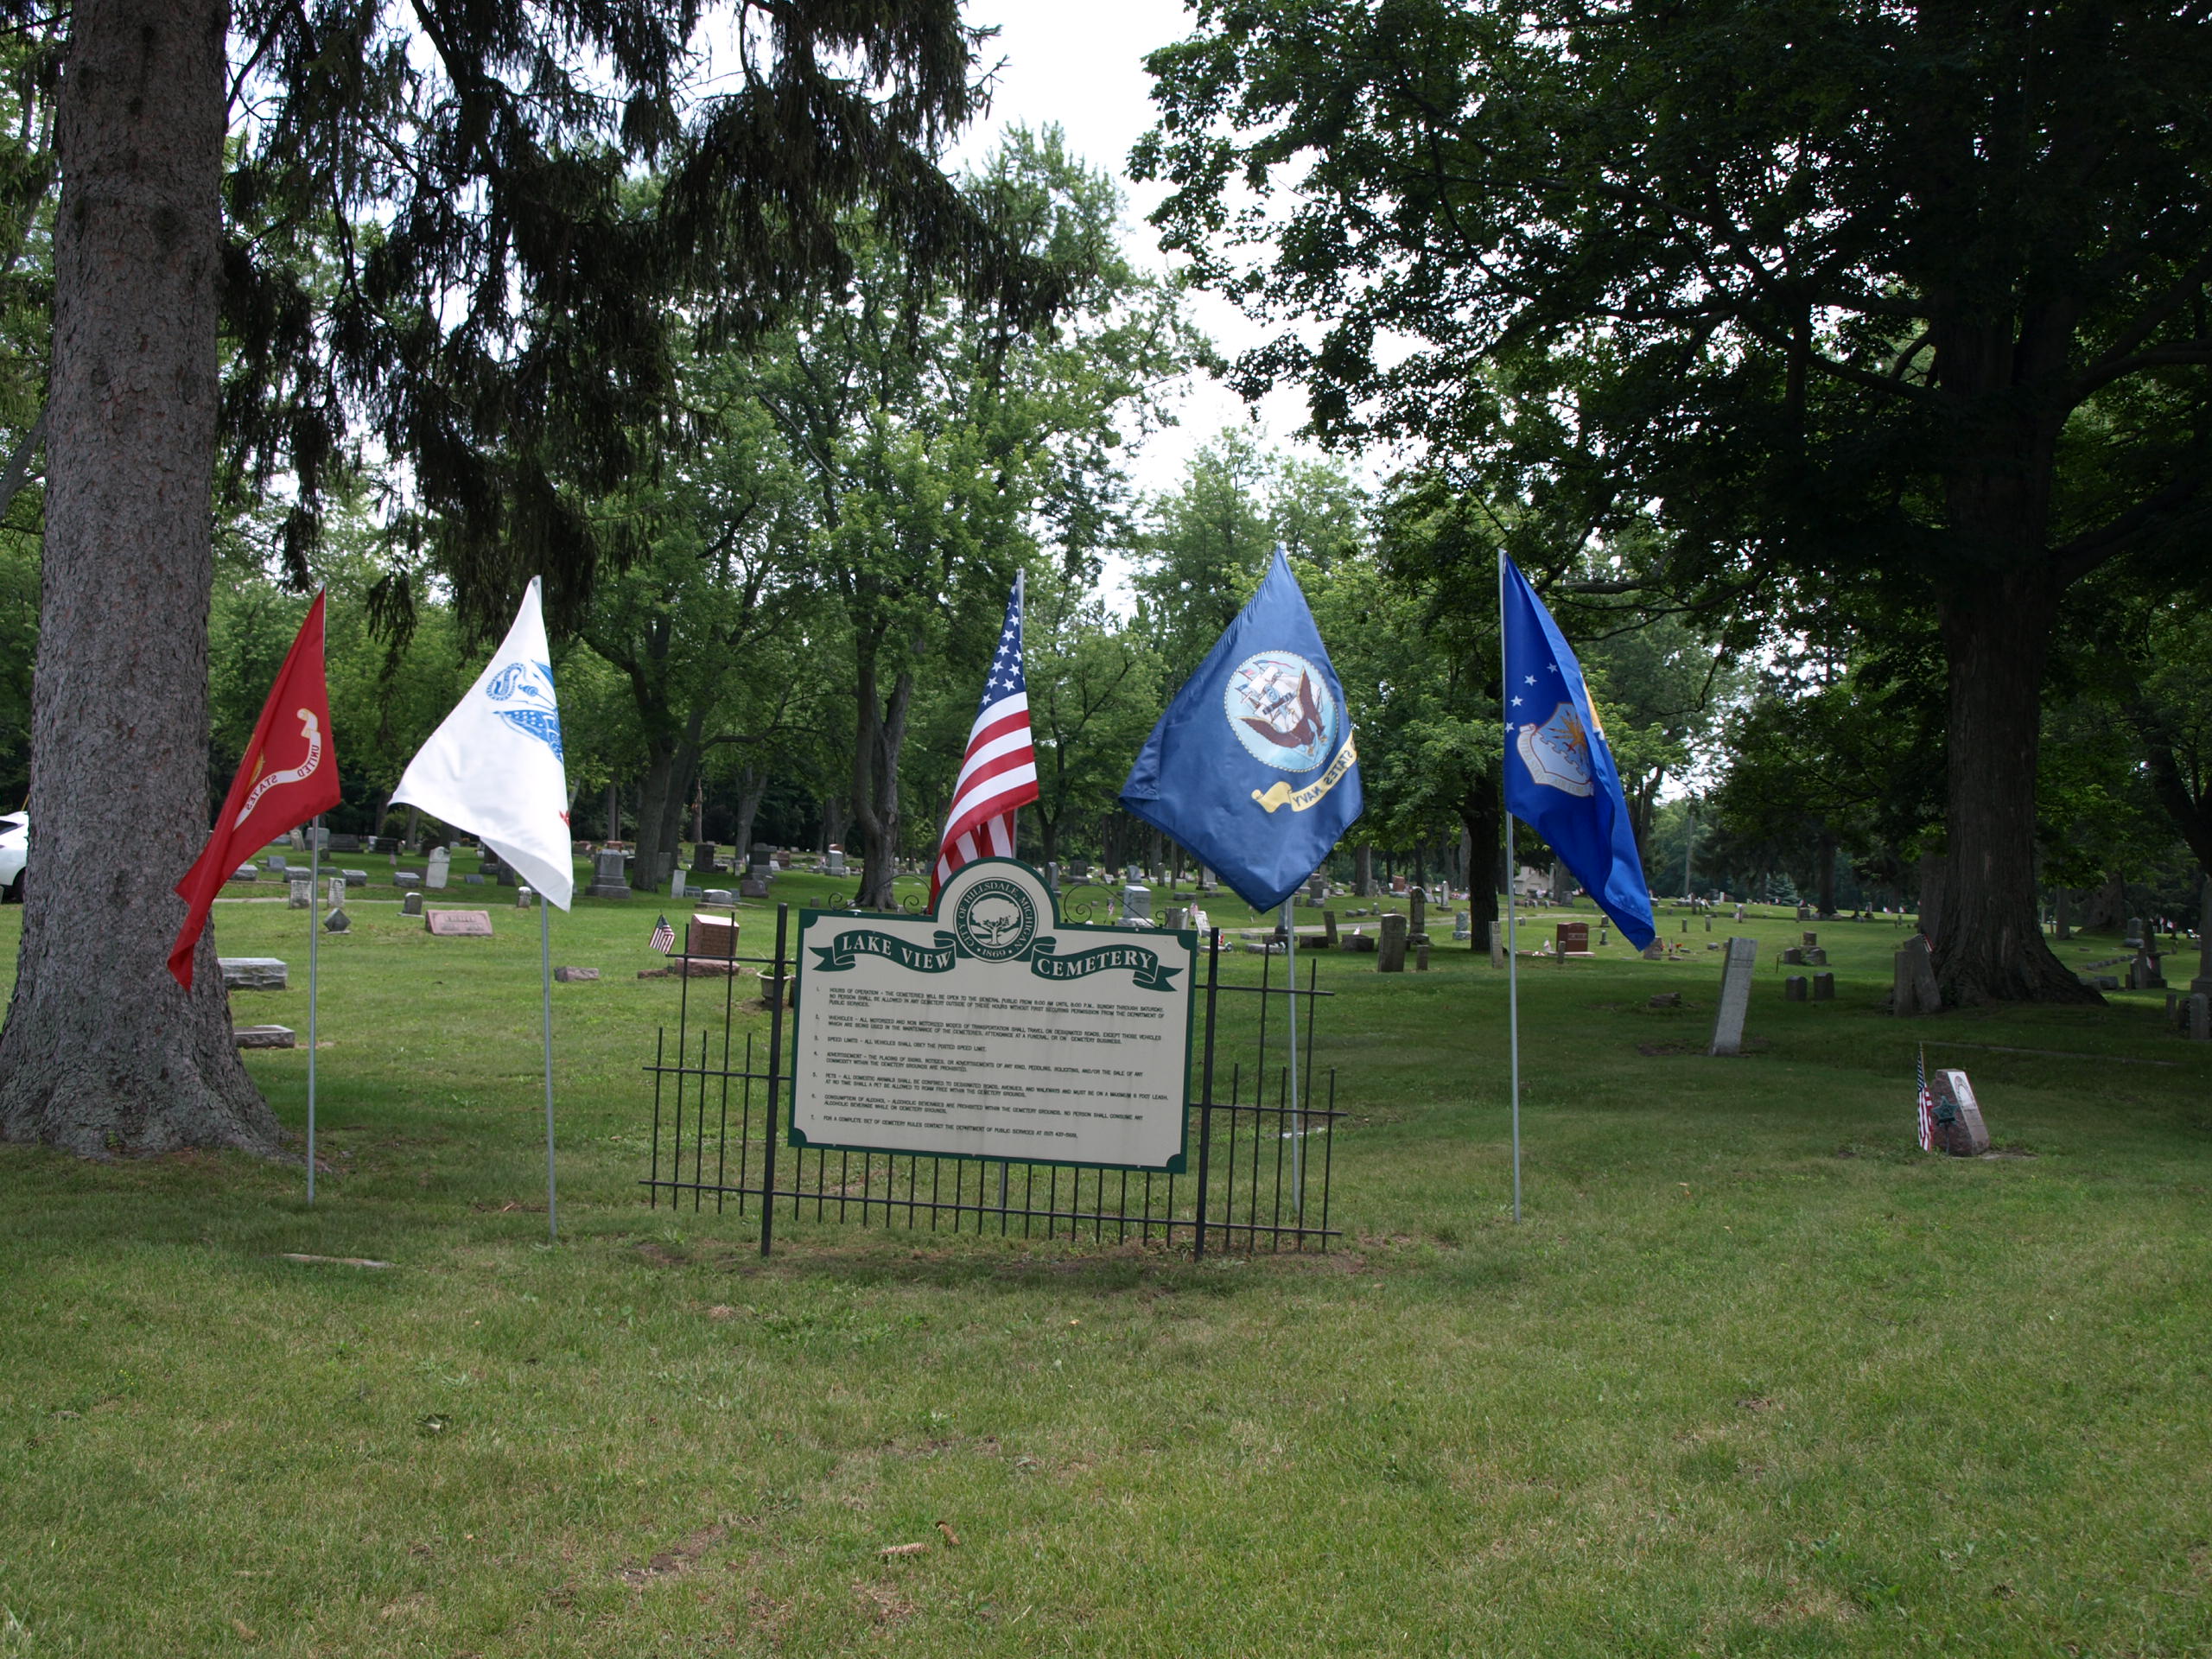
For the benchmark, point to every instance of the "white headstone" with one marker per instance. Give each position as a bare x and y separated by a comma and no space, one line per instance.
1736,975
439,871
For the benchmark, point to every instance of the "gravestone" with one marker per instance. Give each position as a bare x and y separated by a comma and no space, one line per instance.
2144,973
523,896
1420,957
1794,988
334,891
574,975
302,890
1654,952
473,878
1463,927
411,904
276,863
1314,888
719,896
1137,903
1173,918
1360,939
264,1037
245,873
1497,946
1816,958
712,936
609,878
1390,954
342,844
1397,883
434,878
1812,941
458,924
836,860
1736,975
1913,984
2134,935
355,878
1823,988
1205,880
2199,1021
1417,916
1329,928
1794,957
1959,1128
1804,913
1708,921
338,921
404,879
251,973
1740,913
1052,875
703,859
1573,938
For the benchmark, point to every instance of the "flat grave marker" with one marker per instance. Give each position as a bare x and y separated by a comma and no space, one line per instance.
459,923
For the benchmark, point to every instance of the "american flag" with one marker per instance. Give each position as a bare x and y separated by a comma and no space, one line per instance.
664,936
1927,1102
999,772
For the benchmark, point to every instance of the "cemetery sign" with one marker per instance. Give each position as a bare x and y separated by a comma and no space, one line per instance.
989,1028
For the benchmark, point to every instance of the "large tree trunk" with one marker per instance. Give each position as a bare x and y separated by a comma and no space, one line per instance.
878,733
752,784
102,1051
1824,876
1363,869
1482,816
1988,945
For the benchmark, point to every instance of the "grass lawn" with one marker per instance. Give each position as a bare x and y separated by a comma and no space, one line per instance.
1754,1377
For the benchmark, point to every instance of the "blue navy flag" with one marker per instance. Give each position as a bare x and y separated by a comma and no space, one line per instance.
1559,774
1252,767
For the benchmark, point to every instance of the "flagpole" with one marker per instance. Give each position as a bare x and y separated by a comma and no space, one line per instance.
546,994
1512,920
314,938
1297,1128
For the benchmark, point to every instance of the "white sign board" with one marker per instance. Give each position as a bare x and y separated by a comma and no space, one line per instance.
991,1029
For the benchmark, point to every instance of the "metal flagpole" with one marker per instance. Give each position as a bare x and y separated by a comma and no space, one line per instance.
545,992
1512,928
314,938
1297,1122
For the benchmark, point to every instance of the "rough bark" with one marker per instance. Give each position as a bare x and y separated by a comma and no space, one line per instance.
878,733
1824,878
1482,818
1989,947
1363,869
752,784
102,1052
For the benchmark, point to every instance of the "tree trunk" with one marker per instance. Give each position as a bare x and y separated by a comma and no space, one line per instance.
1824,878
103,1053
2058,914
1482,818
752,784
1363,869
878,733
1988,947
613,812
661,789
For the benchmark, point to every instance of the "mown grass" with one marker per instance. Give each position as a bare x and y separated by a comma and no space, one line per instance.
1753,1377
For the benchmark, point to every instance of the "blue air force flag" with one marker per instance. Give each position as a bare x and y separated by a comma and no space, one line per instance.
496,768
1559,774
1252,767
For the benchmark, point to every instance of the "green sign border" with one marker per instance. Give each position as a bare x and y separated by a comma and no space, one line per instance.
1178,1164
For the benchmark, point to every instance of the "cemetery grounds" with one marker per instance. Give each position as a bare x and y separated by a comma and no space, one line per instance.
1754,1377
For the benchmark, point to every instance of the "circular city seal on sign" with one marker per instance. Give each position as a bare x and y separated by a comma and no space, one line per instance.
1282,711
994,921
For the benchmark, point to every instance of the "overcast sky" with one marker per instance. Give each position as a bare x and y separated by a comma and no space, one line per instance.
1082,66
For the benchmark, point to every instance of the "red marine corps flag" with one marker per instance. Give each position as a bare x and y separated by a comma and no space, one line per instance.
291,774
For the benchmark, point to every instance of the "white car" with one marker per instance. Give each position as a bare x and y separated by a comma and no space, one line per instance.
15,849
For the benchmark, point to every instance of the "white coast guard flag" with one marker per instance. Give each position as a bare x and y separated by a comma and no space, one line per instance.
494,768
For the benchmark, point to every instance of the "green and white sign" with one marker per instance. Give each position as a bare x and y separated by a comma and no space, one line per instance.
992,1029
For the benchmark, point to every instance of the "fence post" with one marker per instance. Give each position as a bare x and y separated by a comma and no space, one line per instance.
1205,1089
775,1074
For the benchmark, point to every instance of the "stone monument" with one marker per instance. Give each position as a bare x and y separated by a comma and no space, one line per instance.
1736,974
1390,954
609,878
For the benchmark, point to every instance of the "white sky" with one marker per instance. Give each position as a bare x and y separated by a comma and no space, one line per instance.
1082,66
